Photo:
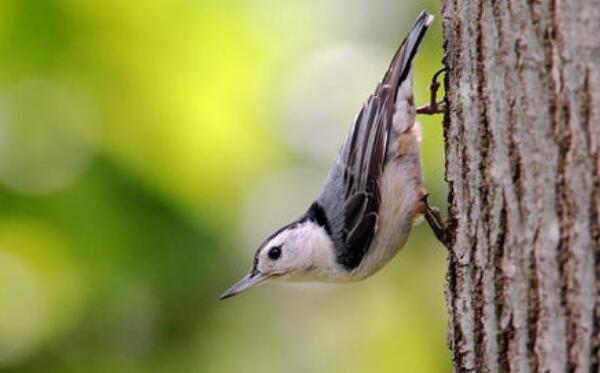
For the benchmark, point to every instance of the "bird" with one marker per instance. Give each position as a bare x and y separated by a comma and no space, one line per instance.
371,196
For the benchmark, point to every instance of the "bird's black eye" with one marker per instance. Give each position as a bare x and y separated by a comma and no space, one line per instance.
275,252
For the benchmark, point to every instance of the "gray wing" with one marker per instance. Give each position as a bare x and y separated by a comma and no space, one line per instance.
350,196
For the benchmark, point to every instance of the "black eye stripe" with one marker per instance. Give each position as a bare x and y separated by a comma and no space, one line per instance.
274,252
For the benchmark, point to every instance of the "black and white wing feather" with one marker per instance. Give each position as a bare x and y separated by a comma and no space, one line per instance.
350,197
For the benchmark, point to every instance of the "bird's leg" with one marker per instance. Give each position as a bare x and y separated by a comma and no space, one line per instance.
432,214
436,222
434,106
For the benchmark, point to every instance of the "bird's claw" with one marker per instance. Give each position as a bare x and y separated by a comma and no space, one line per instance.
434,106
436,222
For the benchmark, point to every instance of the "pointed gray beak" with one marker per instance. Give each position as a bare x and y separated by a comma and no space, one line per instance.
248,281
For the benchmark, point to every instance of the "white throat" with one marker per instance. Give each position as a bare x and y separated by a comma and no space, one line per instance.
315,257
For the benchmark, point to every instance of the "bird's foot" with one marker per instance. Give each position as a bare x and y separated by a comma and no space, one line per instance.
434,106
436,222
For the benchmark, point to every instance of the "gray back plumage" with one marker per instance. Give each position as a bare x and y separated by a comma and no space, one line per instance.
350,196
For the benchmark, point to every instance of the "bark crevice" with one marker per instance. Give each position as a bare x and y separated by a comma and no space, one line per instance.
522,135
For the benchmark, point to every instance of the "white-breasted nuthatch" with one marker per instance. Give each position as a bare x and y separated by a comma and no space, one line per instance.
373,192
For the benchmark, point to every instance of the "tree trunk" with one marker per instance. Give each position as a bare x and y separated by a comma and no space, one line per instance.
522,140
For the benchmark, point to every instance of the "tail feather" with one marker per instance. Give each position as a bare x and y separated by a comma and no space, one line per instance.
401,63
401,106
412,41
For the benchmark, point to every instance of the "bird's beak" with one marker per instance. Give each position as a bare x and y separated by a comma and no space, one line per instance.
248,281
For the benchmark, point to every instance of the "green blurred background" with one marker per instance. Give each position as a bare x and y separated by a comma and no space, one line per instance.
146,149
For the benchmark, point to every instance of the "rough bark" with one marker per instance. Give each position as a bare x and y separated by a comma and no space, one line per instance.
522,140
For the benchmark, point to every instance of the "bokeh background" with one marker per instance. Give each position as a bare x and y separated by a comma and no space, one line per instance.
146,149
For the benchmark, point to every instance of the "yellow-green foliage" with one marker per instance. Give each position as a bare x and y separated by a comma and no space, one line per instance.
147,146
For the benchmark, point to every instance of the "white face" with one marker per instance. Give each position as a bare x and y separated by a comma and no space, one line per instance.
301,253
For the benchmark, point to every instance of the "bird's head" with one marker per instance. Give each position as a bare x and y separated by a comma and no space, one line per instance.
301,251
